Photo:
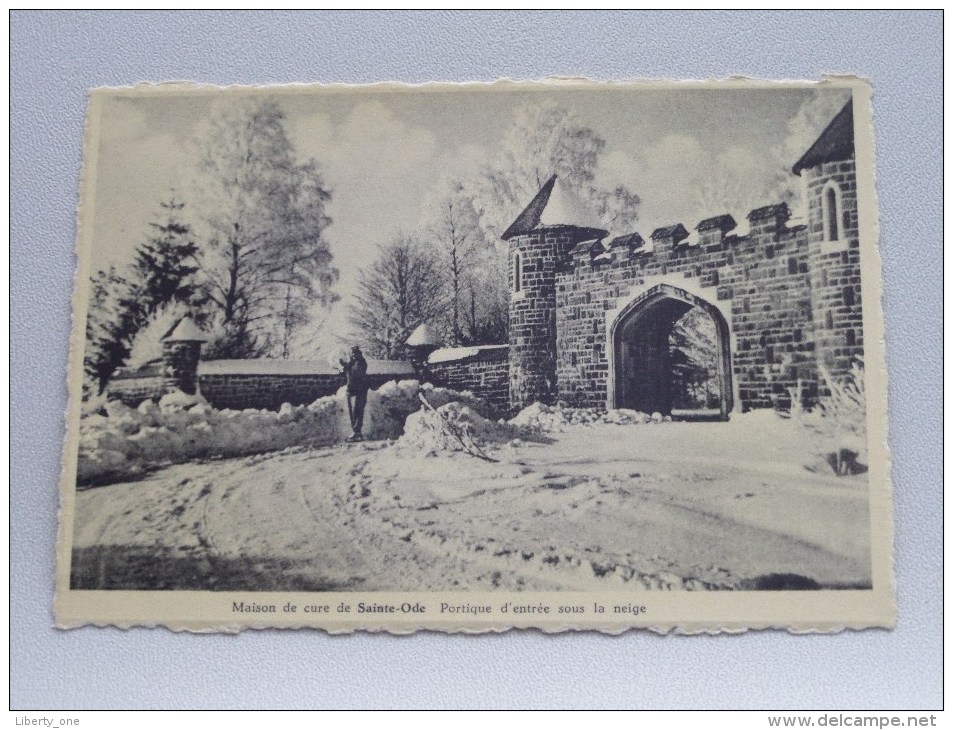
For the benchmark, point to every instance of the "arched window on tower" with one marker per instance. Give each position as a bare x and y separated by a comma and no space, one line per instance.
517,272
831,212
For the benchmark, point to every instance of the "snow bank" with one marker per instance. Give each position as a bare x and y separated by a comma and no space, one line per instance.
127,441
426,431
547,419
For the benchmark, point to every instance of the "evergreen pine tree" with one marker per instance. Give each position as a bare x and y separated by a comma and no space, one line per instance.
103,345
164,265
162,271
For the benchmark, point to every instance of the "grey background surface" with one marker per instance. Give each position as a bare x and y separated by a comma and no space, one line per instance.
56,57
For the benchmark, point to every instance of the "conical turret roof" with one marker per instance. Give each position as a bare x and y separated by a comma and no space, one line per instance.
555,204
185,330
565,208
423,335
835,143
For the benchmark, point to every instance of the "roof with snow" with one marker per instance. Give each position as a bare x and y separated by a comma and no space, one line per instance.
554,205
451,354
721,222
780,210
676,232
264,366
835,143
423,335
566,208
185,330
593,246
528,220
633,240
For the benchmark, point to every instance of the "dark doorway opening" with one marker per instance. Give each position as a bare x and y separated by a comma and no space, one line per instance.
672,357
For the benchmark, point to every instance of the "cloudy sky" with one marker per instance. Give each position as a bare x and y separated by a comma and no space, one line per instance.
384,152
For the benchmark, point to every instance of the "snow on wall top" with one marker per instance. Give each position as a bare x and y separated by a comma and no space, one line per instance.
450,354
297,367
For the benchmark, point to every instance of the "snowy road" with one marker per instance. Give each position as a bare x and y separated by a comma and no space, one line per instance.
660,506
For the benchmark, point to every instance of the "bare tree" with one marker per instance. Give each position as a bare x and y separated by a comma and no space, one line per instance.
456,231
401,290
261,219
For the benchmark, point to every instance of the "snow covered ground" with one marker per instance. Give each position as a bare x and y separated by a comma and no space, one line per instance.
592,506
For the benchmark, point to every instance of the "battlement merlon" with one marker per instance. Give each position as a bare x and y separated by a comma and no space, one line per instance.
714,234
712,231
769,219
668,237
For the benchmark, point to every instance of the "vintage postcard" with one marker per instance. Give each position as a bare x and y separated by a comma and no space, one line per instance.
555,355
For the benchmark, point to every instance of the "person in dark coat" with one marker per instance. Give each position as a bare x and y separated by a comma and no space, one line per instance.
355,369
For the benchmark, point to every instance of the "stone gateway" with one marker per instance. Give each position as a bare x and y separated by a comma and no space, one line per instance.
592,318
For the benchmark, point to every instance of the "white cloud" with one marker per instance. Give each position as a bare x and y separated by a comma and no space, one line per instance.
379,168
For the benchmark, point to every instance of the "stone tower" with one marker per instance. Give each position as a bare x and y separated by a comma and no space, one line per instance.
539,245
830,185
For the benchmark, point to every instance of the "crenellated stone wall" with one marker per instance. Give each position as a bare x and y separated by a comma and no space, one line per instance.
592,320
760,282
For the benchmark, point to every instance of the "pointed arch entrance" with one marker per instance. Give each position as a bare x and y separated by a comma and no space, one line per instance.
683,370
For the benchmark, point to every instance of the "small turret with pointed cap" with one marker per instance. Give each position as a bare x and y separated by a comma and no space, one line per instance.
185,330
555,205
423,336
181,351
422,341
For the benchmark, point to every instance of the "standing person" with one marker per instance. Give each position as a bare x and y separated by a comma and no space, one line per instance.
356,371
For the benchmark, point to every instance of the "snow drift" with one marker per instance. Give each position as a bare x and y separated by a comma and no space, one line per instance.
554,419
120,442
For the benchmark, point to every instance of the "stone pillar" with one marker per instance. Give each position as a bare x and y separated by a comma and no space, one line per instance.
418,355
181,350
181,365
419,346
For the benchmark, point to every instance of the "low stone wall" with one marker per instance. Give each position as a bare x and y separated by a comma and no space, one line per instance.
258,384
238,392
482,370
267,384
134,386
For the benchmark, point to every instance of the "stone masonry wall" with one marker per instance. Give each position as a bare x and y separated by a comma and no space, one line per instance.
270,391
239,391
485,374
764,275
133,387
835,269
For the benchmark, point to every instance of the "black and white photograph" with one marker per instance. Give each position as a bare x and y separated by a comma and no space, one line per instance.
553,354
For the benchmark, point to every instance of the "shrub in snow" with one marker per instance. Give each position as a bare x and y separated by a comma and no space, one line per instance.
93,405
127,441
426,430
844,420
